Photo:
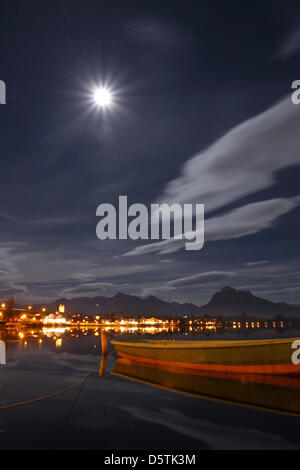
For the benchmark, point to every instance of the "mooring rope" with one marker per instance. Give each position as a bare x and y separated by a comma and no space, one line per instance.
44,397
70,412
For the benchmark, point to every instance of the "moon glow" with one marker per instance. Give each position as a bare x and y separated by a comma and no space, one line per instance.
102,97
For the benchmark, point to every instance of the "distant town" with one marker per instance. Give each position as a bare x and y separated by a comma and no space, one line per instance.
40,318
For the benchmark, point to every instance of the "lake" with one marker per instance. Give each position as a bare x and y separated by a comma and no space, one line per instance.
123,406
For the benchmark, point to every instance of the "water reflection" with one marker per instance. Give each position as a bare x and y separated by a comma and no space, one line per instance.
54,336
271,393
136,398
24,331
103,363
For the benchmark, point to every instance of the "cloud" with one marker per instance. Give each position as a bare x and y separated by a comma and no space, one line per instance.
9,274
256,263
241,162
87,288
246,220
249,219
202,278
290,45
87,277
10,218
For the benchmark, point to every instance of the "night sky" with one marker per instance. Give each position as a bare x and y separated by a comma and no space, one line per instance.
203,114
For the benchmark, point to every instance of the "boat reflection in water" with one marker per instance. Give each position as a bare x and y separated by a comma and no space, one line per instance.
266,392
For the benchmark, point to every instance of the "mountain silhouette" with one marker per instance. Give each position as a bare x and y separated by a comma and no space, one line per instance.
227,302
230,301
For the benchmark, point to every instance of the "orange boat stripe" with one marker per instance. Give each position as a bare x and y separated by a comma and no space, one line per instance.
249,369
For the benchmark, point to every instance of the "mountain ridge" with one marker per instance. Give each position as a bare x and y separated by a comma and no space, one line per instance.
226,302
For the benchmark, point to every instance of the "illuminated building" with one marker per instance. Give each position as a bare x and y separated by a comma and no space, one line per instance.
54,319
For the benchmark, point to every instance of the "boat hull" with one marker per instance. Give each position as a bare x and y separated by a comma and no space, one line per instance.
253,357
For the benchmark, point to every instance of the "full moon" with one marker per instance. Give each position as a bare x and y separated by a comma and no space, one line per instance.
102,97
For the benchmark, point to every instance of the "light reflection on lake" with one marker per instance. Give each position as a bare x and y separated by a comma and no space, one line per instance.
135,409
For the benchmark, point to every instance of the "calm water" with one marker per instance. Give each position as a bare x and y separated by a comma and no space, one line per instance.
115,412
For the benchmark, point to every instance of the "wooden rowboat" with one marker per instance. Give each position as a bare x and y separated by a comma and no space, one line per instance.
273,356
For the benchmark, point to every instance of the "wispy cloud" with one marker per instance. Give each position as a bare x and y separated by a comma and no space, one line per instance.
242,162
202,278
87,289
290,46
256,263
9,274
246,220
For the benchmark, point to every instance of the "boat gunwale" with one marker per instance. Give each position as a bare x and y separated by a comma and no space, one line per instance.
170,344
